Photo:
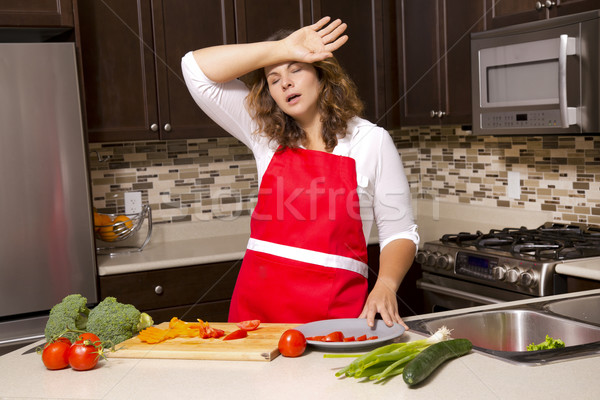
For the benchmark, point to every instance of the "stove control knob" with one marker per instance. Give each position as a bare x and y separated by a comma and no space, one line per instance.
512,275
527,279
422,256
444,262
499,273
432,259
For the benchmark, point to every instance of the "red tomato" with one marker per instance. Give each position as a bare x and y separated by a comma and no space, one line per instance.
56,354
83,356
249,325
361,338
349,339
89,336
239,334
373,338
316,338
336,336
292,343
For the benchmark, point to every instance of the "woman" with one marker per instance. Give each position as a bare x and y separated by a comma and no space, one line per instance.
324,175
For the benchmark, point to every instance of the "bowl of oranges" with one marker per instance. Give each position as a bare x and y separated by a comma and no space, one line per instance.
117,227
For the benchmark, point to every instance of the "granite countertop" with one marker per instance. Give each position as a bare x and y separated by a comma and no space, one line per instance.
185,244
474,376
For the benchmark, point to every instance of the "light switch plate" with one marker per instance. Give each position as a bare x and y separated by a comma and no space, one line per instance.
514,185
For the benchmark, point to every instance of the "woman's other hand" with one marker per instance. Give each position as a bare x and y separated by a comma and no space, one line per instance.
316,42
382,300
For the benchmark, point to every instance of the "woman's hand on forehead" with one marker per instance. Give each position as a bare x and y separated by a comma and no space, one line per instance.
316,42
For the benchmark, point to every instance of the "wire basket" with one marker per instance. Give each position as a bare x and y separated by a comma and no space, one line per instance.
112,228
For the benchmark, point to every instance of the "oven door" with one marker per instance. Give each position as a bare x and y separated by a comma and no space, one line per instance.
443,293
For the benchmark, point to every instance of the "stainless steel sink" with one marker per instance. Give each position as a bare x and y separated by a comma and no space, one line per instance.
505,333
585,309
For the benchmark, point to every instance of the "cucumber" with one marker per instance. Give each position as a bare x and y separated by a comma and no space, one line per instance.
432,357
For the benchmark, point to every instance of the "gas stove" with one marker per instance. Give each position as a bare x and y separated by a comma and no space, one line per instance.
517,259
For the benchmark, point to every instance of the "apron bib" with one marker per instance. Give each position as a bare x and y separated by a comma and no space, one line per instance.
306,258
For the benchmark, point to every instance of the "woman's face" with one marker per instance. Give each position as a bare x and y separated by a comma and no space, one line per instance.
295,88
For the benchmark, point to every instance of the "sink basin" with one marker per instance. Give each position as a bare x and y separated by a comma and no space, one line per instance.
506,333
585,309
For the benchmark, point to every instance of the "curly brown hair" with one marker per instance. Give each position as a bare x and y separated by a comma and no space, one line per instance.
338,102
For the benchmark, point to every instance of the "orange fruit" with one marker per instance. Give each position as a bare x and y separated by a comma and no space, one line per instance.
123,222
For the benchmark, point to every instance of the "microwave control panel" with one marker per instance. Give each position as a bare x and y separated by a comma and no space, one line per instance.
525,119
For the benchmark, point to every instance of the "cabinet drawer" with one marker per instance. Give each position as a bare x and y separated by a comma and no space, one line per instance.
173,287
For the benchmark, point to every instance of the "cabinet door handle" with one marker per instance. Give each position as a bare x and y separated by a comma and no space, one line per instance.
546,4
154,127
167,127
158,290
437,114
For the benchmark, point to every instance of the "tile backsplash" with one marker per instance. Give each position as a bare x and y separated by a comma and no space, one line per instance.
200,179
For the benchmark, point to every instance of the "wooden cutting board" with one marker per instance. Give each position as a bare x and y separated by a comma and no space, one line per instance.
259,345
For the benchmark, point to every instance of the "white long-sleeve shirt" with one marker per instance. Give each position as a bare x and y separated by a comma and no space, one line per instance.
381,183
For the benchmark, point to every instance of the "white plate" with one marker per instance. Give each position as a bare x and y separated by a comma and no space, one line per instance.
350,327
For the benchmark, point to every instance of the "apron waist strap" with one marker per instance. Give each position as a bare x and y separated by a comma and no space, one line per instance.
309,256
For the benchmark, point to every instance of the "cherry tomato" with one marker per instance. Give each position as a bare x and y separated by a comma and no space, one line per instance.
249,325
292,343
83,356
336,336
373,338
316,338
349,339
239,334
56,354
361,338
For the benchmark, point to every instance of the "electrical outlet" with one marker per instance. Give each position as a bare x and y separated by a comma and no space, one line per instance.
133,202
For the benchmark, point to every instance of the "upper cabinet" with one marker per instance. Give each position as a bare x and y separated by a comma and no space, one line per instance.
256,20
131,59
38,13
511,12
370,55
435,54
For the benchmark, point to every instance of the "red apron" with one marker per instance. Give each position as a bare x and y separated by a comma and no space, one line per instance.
306,257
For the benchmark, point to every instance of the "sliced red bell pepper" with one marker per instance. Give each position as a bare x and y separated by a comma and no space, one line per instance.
349,339
336,336
361,338
239,334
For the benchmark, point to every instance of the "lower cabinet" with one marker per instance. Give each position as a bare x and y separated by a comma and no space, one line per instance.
189,293
204,291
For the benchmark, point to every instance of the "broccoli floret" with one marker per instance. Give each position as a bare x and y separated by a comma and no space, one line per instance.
550,343
115,322
70,313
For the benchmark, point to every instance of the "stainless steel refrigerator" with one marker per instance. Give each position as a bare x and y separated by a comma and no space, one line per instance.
46,239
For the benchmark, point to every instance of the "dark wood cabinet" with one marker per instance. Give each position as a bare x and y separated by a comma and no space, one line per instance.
435,59
131,60
369,56
256,20
189,293
512,12
36,13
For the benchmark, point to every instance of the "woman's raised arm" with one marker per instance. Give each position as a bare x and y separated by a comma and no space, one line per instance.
309,44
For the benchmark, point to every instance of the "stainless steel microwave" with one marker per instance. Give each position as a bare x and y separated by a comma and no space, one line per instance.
538,78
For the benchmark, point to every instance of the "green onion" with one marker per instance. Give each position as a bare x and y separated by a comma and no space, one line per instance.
387,361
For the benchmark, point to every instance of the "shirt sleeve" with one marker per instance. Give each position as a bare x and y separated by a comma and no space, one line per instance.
224,103
392,199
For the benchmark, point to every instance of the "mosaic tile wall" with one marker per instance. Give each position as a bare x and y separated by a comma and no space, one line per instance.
215,178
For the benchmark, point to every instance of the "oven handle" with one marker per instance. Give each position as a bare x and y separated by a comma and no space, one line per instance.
456,293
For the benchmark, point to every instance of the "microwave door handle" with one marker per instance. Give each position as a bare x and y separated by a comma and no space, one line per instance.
566,47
